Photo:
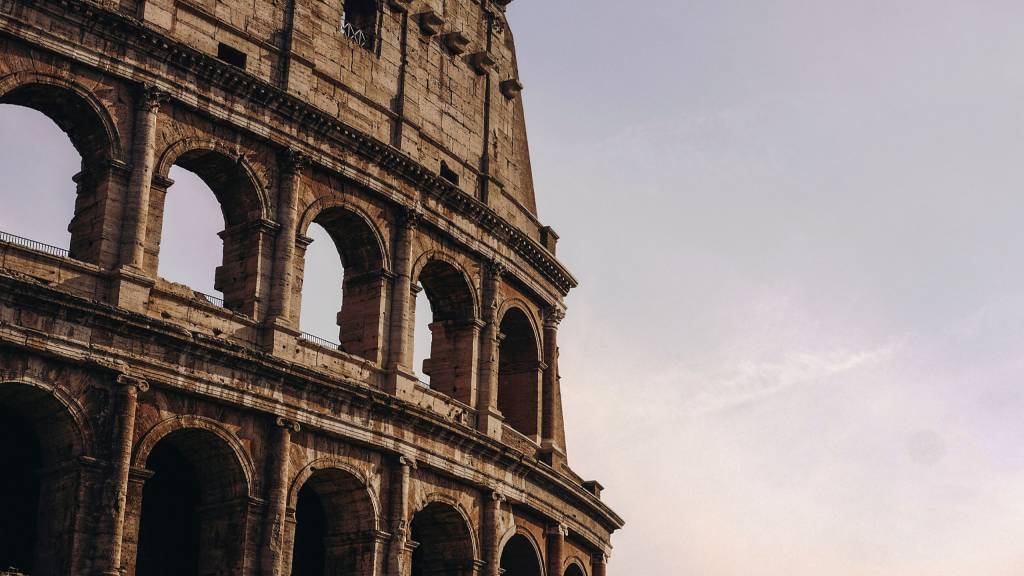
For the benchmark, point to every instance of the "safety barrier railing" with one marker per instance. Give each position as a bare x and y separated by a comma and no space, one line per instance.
322,342
34,245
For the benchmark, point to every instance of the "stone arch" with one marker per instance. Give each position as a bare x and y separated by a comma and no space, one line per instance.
41,429
575,567
207,157
364,259
527,311
454,326
194,503
86,121
167,427
336,520
463,306
248,234
521,555
445,541
83,105
520,371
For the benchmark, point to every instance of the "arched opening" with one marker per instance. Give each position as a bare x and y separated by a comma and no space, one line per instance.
190,248
182,233
451,323
36,507
443,542
359,22
343,283
520,558
334,524
519,373
574,570
192,507
55,184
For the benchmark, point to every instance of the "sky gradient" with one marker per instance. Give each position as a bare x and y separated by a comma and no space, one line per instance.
796,347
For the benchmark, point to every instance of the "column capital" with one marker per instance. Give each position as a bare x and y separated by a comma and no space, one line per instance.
557,530
151,97
409,218
131,381
553,316
291,425
599,558
407,461
495,496
495,268
293,162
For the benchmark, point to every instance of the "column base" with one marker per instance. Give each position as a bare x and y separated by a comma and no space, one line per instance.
278,337
489,422
400,382
129,289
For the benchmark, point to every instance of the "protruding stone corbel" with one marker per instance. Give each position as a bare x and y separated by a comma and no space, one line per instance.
400,5
430,22
456,42
511,88
482,62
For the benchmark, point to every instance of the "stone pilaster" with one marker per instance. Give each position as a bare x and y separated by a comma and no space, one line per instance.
115,500
598,564
556,534
137,204
400,334
399,551
291,165
489,418
490,538
552,426
277,496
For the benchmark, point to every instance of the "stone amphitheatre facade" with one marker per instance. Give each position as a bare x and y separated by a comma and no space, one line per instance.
149,429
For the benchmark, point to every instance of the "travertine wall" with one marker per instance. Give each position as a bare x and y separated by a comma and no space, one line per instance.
279,434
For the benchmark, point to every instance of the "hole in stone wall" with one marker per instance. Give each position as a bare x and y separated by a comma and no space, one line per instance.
190,249
322,289
359,22
232,56
448,174
19,492
39,163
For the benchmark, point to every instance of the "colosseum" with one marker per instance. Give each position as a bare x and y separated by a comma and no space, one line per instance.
149,429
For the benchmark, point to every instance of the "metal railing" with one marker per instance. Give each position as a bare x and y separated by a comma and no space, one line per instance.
354,34
33,245
211,299
322,342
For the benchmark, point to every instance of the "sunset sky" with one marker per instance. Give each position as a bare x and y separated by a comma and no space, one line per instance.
796,349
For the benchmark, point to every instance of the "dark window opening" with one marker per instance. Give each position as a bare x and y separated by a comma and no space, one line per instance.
359,22
310,553
170,527
19,492
448,174
231,55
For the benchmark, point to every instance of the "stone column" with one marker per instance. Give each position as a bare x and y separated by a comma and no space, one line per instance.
598,564
400,530
277,500
400,339
128,389
137,201
489,418
552,428
291,164
491,526
556,534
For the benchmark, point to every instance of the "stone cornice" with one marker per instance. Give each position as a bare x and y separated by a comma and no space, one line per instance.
312,120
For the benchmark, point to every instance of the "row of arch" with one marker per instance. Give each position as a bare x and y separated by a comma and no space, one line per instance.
246,270
195,484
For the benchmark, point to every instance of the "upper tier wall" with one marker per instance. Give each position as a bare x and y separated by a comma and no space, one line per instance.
436,79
